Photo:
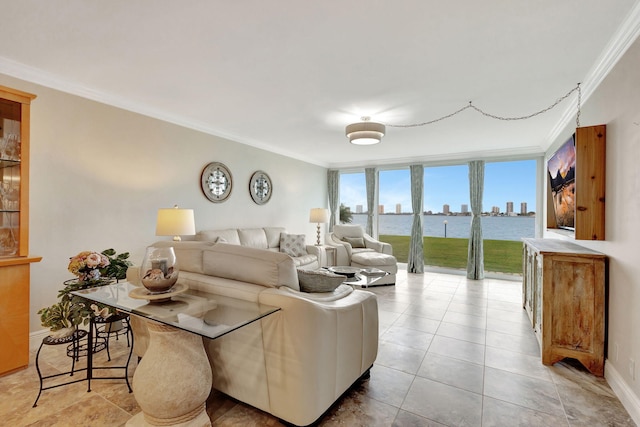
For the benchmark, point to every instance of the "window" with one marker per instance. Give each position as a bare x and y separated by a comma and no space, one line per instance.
394,220
508,212
353,198
509,206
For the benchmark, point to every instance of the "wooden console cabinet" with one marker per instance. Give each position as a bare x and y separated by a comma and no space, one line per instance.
564,288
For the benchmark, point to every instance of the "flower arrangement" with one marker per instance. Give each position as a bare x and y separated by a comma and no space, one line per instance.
87,265
92,269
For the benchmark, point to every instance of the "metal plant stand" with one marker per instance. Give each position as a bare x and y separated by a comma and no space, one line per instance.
97,339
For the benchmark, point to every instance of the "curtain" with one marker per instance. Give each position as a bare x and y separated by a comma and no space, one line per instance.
416,251
370,179
333,191
475,257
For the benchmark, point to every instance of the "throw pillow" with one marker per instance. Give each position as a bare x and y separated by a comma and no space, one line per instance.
293,244
319,280
355,242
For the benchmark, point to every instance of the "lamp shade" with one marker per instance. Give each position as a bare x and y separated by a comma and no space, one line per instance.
175,222
319,215
365,133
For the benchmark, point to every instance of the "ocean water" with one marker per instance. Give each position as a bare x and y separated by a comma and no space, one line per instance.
493,227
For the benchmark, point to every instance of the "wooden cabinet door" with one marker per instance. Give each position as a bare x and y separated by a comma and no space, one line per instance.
14,317
573,306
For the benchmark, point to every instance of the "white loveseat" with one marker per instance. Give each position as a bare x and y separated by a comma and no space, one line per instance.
263,238
294,363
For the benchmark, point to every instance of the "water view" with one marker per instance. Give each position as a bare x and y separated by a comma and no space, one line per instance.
493,227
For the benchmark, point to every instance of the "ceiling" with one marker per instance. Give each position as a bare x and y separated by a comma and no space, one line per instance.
289,75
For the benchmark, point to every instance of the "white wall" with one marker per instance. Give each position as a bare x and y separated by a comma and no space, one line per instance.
99,175
616,103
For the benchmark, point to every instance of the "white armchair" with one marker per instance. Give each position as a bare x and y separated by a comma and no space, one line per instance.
356,248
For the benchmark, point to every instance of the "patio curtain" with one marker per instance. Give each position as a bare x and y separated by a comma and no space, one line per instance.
333,191
475,257
370,179
416,250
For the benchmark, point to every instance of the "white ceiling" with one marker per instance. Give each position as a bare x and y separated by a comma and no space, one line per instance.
289,75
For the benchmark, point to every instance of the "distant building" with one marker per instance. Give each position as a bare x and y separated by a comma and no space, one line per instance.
509,208
445,209
359,209
398,208
495,210
523,208
381,209
464,209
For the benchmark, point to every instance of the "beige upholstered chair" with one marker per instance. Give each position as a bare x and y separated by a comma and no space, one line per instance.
356,248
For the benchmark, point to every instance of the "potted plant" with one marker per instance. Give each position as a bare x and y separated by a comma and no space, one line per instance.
58,318
92,269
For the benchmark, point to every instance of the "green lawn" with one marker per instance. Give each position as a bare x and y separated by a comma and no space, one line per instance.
503,256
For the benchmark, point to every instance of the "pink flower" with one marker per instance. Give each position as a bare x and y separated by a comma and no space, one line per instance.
93,260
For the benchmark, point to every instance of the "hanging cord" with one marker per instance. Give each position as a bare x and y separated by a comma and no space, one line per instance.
493,116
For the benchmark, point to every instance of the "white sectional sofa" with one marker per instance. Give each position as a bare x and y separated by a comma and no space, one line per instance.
263,238
294,363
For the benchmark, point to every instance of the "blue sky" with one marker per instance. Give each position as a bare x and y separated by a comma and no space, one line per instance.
503,182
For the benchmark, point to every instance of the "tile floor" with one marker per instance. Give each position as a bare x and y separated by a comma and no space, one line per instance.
453,352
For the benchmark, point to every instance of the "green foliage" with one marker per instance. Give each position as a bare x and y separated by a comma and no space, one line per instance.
118,264
346,216
72,310
57,316
80,308
503,256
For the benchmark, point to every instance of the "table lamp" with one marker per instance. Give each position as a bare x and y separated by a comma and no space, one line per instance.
319,216
175,222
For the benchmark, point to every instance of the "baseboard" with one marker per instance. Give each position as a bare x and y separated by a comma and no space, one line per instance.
35,339
629,400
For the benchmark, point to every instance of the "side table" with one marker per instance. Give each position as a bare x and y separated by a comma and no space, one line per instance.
334,255
73,351
330,253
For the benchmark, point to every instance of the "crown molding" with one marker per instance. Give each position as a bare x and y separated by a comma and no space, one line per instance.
627,34
34,75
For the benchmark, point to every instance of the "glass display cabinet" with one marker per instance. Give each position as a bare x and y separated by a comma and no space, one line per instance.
14,229
10,165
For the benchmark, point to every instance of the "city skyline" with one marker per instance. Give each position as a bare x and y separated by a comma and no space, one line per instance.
446,209
447,185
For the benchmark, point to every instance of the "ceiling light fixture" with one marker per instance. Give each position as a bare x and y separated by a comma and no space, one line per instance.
365,132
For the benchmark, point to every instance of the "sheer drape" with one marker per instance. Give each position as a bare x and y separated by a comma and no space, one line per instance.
333,192
475,259
416,251
370,179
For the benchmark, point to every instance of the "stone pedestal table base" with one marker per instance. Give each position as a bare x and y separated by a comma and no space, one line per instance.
172,382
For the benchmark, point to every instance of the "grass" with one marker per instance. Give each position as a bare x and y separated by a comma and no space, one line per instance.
503,256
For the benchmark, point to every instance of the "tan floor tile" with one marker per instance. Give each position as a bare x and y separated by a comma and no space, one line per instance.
419,379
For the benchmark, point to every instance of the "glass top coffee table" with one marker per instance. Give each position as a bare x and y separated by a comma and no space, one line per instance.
358,276
173,380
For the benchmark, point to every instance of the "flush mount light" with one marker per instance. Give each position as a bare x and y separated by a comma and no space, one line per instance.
365,132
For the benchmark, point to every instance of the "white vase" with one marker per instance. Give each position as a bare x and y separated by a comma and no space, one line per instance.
114,326
62,333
